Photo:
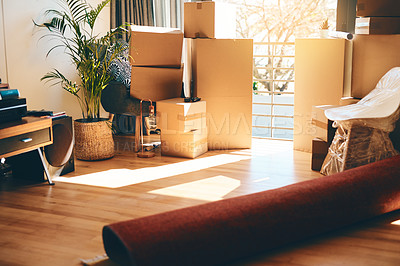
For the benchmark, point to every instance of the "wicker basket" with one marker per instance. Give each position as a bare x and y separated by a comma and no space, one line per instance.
93,140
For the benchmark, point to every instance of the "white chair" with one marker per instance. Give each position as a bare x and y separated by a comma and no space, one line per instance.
363,130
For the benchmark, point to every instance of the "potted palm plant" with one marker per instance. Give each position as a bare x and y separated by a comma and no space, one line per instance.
73,25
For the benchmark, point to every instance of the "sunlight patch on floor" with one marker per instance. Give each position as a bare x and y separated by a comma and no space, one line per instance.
397,222
261,179
209,189
266,147
115,178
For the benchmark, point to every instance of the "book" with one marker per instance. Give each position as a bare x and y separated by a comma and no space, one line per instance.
9,94
3,85
58,115
47,114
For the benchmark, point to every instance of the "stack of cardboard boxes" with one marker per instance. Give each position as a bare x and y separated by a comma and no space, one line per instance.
378,17
156,59
376,44
183,127
221,72
374,52
217,68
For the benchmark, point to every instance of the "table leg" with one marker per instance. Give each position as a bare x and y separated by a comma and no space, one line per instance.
45,167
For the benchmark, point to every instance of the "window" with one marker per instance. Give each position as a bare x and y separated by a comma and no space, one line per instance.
274,25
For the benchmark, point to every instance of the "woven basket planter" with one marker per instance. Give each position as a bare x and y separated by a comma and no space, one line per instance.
93,140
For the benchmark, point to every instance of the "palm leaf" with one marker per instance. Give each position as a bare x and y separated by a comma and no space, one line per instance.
94,13
78,9
90,54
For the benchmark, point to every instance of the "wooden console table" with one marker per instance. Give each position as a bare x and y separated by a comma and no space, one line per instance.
26,135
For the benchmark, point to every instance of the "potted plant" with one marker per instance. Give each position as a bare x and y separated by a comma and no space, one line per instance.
324,29
91,55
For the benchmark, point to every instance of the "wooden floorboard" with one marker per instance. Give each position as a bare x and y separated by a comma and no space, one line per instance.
59,225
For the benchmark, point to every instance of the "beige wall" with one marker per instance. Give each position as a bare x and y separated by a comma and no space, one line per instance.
3,72
26,55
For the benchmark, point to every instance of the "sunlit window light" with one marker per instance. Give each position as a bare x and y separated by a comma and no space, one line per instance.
208,189
115,178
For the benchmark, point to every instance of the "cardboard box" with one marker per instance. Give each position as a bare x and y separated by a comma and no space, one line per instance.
222,67
156,83
223,77
378,8
209,20
229,122
320,78
373,56
179,116
156,46
189,145
319,152
322,125
377,25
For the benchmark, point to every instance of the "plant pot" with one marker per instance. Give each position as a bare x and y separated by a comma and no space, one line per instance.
324,34
93,139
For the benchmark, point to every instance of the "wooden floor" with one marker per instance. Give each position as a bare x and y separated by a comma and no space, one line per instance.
59,225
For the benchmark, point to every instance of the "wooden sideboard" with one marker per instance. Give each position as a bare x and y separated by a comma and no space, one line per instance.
27,134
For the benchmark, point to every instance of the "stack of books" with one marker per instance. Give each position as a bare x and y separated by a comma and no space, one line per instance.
7,93
47,114
12,107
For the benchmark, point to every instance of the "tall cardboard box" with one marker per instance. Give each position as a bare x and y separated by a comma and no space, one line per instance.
378,25
373,56
223,75
156,83
175,115
209,19
320,80
229,122
156,46
378,8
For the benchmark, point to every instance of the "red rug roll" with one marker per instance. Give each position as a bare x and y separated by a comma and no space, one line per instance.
226,230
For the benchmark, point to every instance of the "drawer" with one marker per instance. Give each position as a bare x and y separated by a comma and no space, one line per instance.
24,141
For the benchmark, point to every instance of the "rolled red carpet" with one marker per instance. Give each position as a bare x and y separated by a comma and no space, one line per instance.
230,229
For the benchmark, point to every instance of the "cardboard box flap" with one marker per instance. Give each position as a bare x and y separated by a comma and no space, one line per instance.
150,29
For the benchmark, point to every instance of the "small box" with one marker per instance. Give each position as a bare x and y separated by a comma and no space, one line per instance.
378,25
319,152
323,126
179,116
378,8
189,145
209,19
156,46
156,83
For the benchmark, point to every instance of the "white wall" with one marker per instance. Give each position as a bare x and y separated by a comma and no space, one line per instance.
26,55
3,70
